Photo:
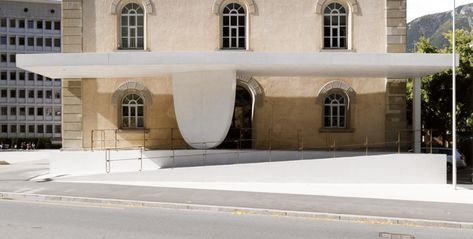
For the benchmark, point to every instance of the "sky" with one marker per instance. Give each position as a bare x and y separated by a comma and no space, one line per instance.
418,8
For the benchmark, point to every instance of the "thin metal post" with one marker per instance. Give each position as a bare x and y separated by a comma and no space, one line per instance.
366,146
116,140
431,139
144,137
302,144
92,141
454,102
398,142
334,147
269,140
103,140
141,158
107,160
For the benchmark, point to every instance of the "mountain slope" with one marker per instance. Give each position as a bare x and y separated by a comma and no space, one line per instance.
433,26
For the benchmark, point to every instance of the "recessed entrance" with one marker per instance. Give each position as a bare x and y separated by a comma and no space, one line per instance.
240,133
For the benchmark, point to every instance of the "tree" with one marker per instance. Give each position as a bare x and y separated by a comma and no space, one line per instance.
436,95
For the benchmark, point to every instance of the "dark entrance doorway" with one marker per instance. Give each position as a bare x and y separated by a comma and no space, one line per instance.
240,133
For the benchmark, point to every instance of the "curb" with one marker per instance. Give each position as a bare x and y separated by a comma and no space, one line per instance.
240,210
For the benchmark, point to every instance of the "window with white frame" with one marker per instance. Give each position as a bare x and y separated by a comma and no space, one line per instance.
234,27
132,27
335,111
335,26
132,111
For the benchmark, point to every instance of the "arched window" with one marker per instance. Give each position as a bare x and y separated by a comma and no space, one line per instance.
132,27
132,111
234,27
335,111
335,26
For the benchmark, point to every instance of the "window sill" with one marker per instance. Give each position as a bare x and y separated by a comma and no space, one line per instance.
133,130
336,130
234,49
130,50
336,50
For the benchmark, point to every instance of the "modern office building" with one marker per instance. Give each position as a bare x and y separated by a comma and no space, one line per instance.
280,74
30,104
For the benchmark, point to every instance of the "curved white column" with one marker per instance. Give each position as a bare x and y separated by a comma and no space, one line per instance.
204,104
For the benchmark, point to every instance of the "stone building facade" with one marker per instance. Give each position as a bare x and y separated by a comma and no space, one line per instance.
283,112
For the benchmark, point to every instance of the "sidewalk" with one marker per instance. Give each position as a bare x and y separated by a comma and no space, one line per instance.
12,181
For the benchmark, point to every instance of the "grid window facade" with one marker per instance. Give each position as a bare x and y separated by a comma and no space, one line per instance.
22,113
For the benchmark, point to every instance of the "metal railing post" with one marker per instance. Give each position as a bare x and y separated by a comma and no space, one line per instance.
269,142
141,158
431,139
366,146
92,141
116,139
103,140
107,161
334,145
398,142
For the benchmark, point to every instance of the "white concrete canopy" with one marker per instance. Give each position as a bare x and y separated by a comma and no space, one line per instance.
204,113
151,64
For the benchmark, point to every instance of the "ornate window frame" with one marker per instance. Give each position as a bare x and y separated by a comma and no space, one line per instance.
339,40
128,88
352,8
116,9
135,103
250,9
341,88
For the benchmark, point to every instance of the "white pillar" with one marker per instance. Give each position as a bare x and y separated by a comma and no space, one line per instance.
416,109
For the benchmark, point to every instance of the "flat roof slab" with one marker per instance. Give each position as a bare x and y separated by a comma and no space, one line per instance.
151,64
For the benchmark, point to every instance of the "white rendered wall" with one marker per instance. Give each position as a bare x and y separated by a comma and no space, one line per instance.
377,169
204,103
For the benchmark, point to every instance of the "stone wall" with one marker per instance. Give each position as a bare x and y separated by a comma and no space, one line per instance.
72,133
396,38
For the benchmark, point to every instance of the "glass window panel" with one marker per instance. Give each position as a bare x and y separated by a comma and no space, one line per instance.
343,43
132,122
124,42
132,20
241,20
241,32
40,129
233,20
126,123
141,123
327,42
226,21
140,20
140,43
226,43
124,20
140,111
334,42
132,111
140,31
57,25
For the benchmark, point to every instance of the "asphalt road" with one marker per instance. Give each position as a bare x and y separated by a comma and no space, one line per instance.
20,220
